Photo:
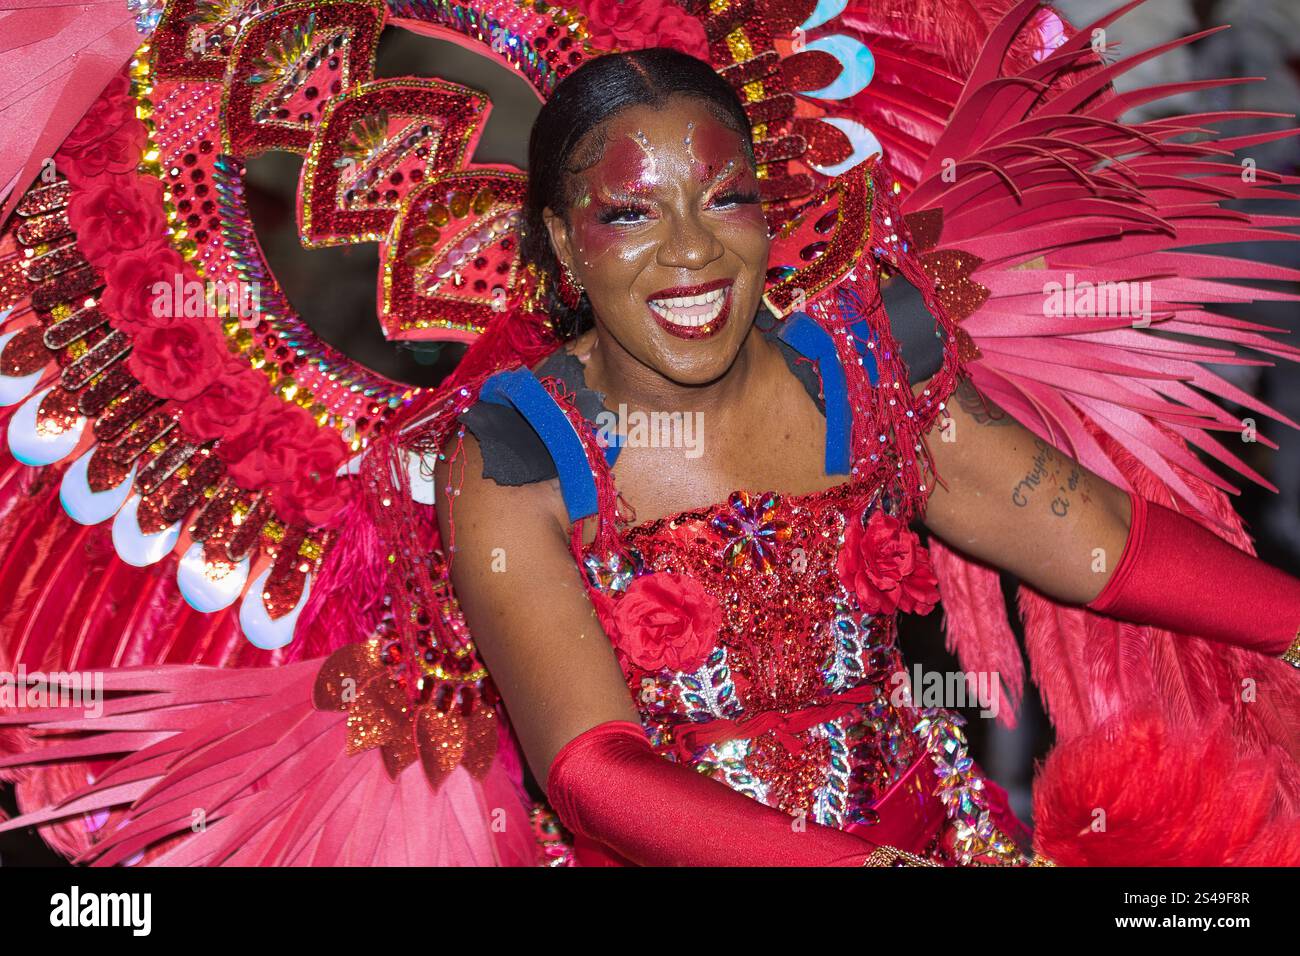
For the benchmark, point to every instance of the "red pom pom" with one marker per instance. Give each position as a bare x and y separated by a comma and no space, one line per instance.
1139,792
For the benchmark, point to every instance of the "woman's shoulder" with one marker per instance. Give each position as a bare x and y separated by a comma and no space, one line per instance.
496,471
513,451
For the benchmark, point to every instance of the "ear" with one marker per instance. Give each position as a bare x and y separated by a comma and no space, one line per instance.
561,242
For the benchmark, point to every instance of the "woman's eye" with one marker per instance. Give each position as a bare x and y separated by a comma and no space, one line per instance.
623,214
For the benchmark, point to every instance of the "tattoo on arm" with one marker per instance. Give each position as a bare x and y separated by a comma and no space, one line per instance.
1059,477
978,407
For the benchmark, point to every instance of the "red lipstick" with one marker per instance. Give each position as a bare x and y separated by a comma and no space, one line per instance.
685,290
682,327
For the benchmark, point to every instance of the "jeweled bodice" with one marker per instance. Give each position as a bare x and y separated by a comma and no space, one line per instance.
801,700
794,695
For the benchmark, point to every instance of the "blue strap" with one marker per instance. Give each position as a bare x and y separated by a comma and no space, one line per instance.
519,387
800,332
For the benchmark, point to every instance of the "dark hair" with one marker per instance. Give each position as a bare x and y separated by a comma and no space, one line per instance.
595,92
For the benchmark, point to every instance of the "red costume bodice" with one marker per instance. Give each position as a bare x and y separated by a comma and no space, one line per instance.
801,700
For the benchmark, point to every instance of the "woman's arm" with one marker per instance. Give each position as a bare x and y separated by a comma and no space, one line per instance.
1012,500
538,634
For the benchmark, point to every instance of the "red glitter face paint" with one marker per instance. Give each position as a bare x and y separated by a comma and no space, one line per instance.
713,147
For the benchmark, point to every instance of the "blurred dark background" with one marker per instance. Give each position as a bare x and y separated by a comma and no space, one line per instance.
335,288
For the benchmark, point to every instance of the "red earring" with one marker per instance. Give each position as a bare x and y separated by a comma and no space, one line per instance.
569,291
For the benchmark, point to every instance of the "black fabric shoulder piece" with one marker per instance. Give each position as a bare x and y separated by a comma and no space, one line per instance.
514,454
914,328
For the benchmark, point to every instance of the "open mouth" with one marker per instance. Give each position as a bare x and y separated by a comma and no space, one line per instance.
693,313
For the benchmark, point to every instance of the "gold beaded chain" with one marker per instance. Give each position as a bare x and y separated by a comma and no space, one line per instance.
892,856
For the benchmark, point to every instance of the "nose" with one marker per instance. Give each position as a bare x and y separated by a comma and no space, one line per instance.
690,243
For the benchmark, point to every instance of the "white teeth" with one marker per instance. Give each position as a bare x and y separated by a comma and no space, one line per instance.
686,302
665,307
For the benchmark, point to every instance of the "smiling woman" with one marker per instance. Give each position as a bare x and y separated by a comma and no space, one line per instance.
721,660
736,635
688,630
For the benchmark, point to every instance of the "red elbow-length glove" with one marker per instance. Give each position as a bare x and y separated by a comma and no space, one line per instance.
609,785
1180,576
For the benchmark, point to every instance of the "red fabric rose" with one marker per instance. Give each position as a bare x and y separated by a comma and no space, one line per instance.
665,621
259,456
886,566
179,361
681,31
297,461
108,139
117,218
237,400
130,299
314,492
637,24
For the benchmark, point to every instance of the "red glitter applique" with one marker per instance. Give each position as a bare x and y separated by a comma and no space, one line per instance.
795,777
886,566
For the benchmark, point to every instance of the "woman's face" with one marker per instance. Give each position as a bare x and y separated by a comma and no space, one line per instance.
668,238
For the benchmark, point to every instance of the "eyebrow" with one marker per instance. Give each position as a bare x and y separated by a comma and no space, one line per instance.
727,172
